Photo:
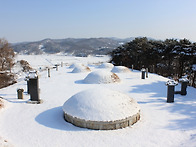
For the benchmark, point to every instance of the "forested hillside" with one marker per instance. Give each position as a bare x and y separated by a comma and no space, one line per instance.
170,58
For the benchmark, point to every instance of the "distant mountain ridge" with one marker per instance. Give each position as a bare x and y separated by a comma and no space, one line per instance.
70,46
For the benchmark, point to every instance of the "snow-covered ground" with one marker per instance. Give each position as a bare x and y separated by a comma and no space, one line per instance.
42,125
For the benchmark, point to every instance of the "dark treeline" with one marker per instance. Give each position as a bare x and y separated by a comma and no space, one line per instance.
169,58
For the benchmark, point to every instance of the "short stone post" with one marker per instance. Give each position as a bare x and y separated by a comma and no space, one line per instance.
132,67
48,72
143,73
56,65
61,64
146,72
184,82
20,93
171,90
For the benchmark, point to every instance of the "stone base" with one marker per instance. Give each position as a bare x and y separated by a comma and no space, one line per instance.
102,125
35,102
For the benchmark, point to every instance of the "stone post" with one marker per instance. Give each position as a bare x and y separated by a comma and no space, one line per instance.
171,90
48,72
20,93
34,88
184,83
56,67
146,72
143,73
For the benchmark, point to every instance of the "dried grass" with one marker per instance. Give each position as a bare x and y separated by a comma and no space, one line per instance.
6,79
1,104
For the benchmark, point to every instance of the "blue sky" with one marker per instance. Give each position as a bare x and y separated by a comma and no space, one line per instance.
31,20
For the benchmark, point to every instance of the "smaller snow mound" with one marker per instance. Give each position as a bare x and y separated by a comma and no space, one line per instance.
81,68
75,64
120,69
101,77
106,65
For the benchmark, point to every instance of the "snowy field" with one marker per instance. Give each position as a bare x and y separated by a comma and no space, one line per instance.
42,125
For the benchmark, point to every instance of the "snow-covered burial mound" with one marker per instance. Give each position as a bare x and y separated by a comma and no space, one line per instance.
106,65
120,69
101,77
75,64
81,68
101,109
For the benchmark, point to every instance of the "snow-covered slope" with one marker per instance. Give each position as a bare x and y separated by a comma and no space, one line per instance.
30,125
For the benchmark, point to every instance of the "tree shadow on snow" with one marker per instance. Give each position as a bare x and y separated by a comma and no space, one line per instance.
184,106
158,89
54,118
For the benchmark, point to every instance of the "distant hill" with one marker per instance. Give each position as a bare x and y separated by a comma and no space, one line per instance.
70,46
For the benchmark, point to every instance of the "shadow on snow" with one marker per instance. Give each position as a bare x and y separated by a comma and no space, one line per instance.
54,118
184,106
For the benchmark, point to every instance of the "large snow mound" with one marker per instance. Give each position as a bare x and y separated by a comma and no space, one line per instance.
101,77
80,68
106,65
101,104
120,69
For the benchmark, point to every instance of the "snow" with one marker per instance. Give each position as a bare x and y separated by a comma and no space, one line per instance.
102,76
75,65
171,83
120,69
106,65
40,125
101,104
81,68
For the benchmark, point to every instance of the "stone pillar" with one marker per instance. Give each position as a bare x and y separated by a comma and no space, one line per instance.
171,90
56,65
48,72
184,82
170,94
34,88
146,72
132,67
143,73
61,64
20,93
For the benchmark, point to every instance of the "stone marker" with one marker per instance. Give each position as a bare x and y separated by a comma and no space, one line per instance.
48,72
146,72
20,93
34,88
184,83
143,73
170,90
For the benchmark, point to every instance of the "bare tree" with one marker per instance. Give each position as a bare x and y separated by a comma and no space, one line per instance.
6,55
